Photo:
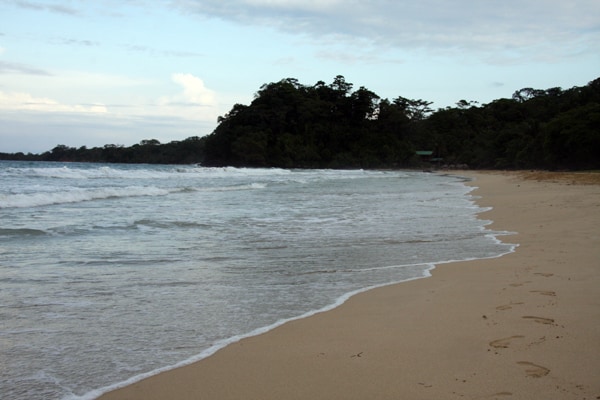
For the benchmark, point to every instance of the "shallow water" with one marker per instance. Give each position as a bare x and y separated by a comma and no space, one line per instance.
110,272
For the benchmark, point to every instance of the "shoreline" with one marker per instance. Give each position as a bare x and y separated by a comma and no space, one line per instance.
389,342
209,352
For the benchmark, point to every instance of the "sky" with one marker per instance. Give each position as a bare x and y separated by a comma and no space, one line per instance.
90,73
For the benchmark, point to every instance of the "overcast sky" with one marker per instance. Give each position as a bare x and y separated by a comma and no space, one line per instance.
117,72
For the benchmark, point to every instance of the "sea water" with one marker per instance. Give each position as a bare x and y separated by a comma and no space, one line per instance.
110,273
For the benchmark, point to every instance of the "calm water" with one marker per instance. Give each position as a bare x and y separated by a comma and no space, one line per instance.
112,272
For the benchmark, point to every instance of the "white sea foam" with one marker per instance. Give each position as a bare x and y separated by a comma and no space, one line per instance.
249,186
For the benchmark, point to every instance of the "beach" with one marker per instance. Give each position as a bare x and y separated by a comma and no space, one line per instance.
525,325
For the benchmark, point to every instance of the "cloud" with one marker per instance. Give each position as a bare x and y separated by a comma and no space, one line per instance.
36,123
296,5
51,7
32,123
111,95
194,89
136,48
517,28
18,68
15,101
77,42
196,101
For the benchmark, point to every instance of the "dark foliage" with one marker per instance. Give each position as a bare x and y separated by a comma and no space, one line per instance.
188,151
291,125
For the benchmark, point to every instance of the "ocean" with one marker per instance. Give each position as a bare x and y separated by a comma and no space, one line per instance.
110,273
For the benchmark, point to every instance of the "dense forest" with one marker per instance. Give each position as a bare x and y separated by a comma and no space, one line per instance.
292,125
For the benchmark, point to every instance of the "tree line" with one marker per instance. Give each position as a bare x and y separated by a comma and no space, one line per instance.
292,125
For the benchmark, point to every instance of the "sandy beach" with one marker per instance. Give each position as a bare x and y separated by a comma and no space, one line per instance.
522,326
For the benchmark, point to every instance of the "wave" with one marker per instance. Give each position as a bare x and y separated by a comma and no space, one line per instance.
98,171
91,173
249,186
75,195
168,224
7,232
46,197
86,171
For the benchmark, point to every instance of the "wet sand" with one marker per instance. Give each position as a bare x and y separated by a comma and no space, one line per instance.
522,326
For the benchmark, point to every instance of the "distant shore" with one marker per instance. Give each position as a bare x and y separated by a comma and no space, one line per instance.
525,325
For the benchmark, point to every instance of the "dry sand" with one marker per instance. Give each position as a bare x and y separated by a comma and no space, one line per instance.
522,326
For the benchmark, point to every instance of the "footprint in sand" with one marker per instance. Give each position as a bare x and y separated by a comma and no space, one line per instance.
534,370
507,306
504,342
517,284
540,320
538,341
544,292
